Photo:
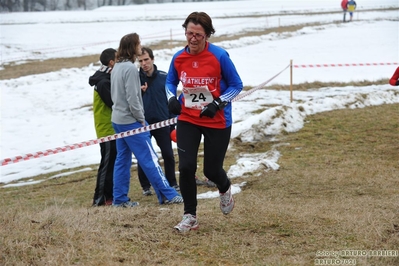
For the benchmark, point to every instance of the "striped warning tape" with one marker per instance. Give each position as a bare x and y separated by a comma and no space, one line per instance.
344,65
34,54
242,95
75,146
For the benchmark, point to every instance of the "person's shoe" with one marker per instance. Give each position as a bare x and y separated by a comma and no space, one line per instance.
147,192
176,200
108,202
176,187
188,223
206,182
209,183
98,202
226,201
199,182
127,204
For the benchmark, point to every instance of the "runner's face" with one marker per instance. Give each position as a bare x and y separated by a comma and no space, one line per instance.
196,38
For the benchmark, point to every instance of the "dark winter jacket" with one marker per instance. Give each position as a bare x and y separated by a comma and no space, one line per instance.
102,102
154,98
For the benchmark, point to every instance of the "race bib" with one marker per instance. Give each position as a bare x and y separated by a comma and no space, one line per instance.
197,97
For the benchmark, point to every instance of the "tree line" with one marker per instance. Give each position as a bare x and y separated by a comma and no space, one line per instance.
53,5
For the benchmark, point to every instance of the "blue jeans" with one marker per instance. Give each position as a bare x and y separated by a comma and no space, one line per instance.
140,145
162,136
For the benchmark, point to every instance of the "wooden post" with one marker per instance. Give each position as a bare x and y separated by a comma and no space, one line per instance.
291,80
171,39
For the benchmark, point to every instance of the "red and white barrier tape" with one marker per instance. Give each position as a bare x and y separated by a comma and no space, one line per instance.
158,125
344,65
242,95
35,55
75,146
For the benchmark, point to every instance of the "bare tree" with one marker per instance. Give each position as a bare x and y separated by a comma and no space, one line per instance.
50,5
82,3
10,5
53,4
67,5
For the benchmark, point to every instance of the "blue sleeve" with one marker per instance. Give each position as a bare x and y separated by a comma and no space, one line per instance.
172,79
233,84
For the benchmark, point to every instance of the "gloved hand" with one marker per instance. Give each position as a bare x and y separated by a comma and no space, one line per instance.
174,106
210,109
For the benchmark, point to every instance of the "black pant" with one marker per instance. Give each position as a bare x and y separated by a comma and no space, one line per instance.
162,137
216,142
105,174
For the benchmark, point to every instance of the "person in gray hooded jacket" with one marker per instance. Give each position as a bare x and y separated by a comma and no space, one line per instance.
127,115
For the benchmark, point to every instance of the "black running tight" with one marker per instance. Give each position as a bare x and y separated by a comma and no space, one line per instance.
216,142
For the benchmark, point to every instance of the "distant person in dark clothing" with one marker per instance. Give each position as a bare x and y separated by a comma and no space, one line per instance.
394,81
156,110
102,109
344,6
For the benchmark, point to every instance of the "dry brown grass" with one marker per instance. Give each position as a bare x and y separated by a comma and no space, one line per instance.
336,189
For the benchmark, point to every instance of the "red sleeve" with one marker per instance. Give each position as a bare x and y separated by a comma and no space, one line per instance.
394,78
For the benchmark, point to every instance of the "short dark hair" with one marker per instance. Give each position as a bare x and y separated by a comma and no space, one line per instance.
203,19
128,47
107,55
145,49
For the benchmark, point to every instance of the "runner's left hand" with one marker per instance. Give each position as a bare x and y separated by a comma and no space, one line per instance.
210,110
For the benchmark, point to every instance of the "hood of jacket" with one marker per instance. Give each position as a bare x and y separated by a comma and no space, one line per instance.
102,73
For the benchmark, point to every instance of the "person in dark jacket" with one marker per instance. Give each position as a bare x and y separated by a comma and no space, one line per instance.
102,109
394,81
156,110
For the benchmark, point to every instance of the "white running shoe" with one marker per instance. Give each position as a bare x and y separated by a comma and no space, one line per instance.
126,204
176,200
147,192
226,201
188,223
